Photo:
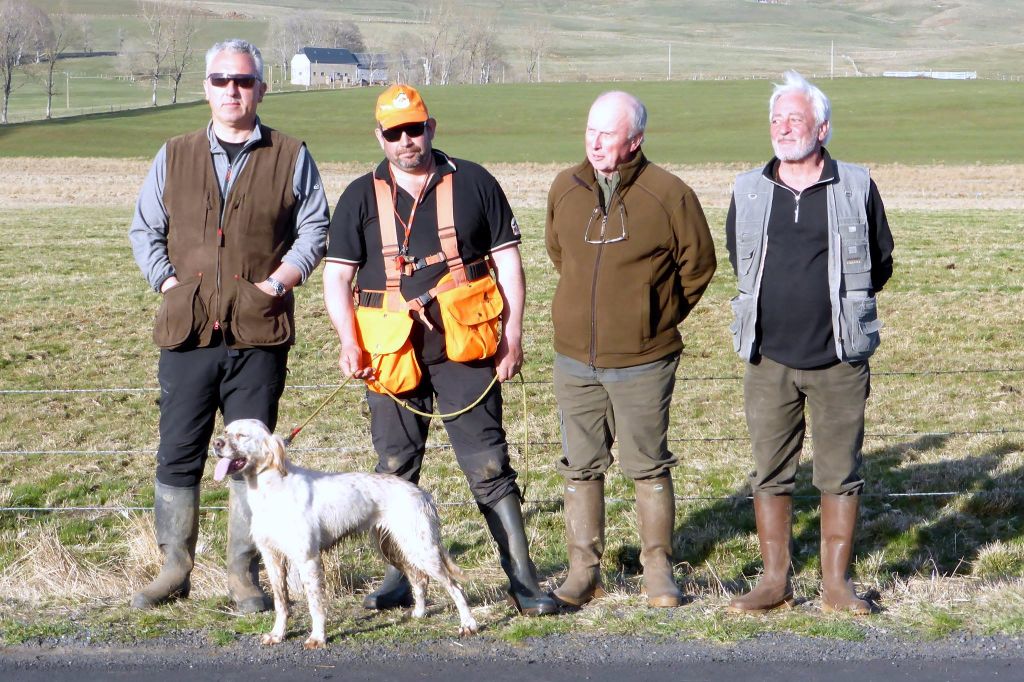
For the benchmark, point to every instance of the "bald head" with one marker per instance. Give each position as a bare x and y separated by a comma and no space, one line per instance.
615,130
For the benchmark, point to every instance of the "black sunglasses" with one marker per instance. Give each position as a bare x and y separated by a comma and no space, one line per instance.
395,134
242,80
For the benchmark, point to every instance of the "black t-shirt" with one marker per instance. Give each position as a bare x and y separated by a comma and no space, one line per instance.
484,222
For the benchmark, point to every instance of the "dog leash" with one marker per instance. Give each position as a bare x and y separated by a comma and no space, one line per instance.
295,431
405,403
467,408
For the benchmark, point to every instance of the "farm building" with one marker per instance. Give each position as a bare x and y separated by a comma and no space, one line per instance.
337,66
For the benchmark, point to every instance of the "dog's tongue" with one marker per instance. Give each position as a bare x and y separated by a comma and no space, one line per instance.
222,468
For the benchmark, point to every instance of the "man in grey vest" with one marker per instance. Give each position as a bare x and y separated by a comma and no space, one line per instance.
810,244
230,219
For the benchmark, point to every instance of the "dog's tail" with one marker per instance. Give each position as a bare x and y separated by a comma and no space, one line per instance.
453,568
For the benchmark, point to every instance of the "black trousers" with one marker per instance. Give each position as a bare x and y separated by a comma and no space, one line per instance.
400,437
194,385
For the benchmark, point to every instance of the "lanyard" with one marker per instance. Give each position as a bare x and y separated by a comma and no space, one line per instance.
407,226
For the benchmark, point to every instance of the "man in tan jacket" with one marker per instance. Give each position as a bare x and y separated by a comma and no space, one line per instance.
634,255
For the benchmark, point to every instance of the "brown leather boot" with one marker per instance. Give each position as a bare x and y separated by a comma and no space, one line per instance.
774,516
656,515
838,522
243,557
584,537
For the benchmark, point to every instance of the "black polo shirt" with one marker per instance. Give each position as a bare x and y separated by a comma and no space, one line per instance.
484,222
794,309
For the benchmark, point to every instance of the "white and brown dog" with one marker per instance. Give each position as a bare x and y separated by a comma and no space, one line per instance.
298,513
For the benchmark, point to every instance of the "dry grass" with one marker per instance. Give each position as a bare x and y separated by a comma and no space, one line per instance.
939,564
35,183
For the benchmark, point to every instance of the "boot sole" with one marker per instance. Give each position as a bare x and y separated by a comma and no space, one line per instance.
535,611
787,603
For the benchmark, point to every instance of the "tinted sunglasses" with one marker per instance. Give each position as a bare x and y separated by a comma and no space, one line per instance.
395,134
242,80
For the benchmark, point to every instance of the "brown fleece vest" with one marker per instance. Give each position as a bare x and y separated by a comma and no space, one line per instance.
218,253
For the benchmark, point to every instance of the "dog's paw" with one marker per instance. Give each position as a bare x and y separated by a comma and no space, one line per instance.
271,639
467,629
314,643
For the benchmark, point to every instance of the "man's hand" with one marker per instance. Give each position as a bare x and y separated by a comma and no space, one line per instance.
508,360
169,283
350,360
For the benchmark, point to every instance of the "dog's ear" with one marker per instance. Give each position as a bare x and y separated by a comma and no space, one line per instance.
274,448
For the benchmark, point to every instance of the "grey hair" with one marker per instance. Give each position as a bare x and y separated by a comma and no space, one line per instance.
237,46
637,110
819,101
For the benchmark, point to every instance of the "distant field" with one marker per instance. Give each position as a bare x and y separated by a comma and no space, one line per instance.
875,120
646,40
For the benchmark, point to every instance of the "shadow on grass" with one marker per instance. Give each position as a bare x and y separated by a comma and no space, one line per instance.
907,516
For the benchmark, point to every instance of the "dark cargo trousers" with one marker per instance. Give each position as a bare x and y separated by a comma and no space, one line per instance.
775,396
194,385
477,436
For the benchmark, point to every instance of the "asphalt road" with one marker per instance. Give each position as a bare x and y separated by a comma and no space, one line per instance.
42,670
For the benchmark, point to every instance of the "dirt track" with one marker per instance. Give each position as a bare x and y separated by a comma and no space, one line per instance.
27,183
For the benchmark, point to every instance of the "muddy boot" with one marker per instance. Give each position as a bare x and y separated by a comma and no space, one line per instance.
243,557
774,516
505,521
838,522
656,515
584,536
177,528
394,592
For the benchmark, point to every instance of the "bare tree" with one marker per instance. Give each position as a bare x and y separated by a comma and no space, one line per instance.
538,44
150,58
344,34
182,31
56,35
18,38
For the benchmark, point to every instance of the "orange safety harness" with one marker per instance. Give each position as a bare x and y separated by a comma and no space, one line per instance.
469,299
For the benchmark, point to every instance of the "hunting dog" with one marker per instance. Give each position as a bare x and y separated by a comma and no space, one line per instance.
298,513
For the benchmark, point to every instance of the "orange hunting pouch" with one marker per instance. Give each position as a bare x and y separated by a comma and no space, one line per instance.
384,335
471,314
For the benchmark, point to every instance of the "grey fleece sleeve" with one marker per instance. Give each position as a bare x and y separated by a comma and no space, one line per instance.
311,216
148,232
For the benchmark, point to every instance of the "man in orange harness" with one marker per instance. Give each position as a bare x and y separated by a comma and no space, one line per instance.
409,290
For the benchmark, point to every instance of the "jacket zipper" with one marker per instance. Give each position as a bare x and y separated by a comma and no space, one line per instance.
593,289
220,239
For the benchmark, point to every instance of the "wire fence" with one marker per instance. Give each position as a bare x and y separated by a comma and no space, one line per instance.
735,498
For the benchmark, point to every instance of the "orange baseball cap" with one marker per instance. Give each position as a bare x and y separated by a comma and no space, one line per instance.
399,105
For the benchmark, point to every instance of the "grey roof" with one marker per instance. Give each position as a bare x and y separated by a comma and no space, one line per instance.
329,55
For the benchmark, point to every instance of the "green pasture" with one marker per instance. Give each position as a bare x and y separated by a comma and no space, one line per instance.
874,120
78,422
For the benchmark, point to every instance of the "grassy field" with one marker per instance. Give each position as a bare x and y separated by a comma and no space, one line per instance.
940,545
649,40
876,120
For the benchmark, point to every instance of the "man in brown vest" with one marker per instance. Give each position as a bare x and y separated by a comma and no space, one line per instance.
404,235
230,218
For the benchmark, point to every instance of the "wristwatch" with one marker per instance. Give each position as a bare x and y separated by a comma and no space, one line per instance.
278,288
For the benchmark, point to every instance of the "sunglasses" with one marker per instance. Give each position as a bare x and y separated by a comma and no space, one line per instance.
395,134
242,80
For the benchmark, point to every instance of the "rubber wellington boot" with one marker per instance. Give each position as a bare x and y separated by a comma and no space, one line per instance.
656,515
584,536
177,529
774,516
505,521
838,522
243,557
394,592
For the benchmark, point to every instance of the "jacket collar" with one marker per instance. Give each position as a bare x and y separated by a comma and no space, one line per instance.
829,169
585,174
443,165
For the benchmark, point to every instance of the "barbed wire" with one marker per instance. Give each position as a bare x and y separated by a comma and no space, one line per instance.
1011,492
542,443
534,382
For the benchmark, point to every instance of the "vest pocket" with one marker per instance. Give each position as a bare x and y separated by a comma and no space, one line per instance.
258,318
860,317
742,326
748,239
181,315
